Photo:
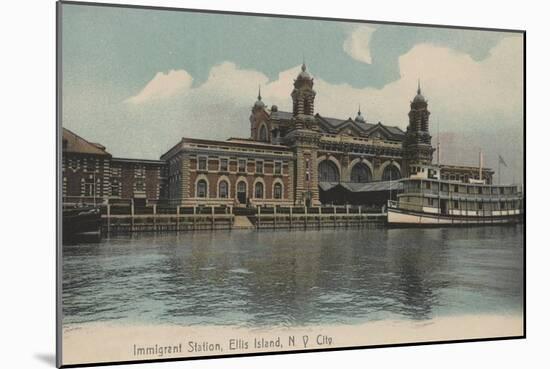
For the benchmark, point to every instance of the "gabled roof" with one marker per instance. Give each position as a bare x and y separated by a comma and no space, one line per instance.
73,143
281,115
364,127
335,125
395,132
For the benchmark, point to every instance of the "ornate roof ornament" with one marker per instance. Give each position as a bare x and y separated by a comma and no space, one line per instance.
419,98
304,74
259,103
359,117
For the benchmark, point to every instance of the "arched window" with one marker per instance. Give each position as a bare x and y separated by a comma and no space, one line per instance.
328,172
259,190
89,187
223,188
202,188
391,173
360,173
278,191
263,133
241,192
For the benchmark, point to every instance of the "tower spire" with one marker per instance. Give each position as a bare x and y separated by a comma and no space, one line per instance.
418,91
359,117
259,104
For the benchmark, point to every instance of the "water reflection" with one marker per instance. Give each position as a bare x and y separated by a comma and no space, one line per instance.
284,278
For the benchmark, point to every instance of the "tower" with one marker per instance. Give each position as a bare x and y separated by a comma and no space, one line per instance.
303,98
417,146
303,137
259,127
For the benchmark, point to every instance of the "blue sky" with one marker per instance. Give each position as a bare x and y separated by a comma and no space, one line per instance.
137,80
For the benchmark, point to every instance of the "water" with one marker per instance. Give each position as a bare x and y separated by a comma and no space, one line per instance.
289,278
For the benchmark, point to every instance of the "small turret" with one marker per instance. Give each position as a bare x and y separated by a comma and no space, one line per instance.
419,98
303,95
259,104
359,118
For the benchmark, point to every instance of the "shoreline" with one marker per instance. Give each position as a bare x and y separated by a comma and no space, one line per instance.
109,342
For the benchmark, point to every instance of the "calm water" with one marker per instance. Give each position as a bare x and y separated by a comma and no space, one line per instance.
287,278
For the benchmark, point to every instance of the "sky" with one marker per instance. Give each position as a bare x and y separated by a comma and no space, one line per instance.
138,80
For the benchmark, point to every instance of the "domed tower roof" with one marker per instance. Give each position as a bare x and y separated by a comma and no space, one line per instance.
419,98
359,118
259,104
304,74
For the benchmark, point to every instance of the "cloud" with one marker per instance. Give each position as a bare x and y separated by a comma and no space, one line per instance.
163,85
463,94
357,44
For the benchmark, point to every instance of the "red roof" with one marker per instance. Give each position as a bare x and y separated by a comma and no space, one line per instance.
73,143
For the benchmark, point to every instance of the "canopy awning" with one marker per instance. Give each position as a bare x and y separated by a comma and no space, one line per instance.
363,187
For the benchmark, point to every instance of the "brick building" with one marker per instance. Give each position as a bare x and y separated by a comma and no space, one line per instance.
232,172
92,175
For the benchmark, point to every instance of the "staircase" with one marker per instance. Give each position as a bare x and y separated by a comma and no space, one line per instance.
242,222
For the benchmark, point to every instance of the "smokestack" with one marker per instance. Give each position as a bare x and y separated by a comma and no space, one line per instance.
480,165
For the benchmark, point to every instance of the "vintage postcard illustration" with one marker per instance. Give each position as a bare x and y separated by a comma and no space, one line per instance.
237,184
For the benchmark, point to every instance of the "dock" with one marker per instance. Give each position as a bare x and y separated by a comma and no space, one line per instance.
128,219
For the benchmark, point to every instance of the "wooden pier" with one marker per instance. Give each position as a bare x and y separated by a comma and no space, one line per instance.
127,219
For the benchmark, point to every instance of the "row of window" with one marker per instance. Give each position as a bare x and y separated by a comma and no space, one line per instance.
242,195
461,178
223,165
471,189
455,204
89,189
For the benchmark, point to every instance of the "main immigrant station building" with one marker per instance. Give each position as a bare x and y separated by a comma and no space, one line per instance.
291,158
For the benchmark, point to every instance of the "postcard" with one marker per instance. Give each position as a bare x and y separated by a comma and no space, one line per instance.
235,184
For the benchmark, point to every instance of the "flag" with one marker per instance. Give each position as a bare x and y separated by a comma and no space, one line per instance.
501,161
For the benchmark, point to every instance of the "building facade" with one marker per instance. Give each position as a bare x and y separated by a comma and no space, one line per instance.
92,175
290,158
235,172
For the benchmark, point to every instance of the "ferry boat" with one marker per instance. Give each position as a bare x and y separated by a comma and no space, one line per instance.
428,200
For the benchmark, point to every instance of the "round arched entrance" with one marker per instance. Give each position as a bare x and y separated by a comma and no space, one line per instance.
328,172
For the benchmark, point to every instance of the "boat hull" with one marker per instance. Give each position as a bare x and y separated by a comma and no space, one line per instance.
409,218
79,222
